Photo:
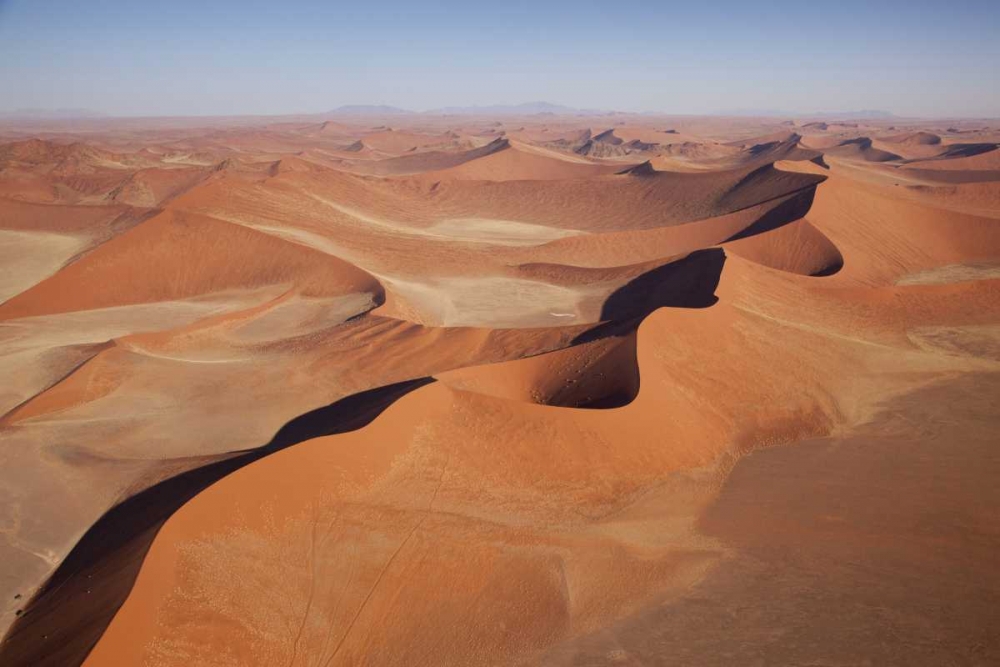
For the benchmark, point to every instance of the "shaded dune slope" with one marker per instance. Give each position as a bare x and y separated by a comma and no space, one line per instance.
666,198
519,162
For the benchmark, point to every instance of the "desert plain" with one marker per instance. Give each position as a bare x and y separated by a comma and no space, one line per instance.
520,390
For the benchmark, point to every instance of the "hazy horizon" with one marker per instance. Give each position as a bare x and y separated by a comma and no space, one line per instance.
304,57
504,108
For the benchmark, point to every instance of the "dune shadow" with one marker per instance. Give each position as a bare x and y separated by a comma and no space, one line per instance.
68,615
347,414
788,211
686,283
832,269
966,150
795,209
689,282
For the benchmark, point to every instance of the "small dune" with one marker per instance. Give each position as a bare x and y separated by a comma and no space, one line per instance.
861,148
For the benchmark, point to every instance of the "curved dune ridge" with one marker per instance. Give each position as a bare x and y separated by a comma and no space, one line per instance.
476,391
914,139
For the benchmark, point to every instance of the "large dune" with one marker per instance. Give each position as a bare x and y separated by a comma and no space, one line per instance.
468,391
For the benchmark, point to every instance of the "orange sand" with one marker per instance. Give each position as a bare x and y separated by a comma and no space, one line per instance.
468,391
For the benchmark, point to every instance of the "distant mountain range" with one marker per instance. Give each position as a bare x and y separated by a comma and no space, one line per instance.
526,109
536,108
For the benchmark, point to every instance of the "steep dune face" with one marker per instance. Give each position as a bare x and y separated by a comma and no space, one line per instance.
768,152
962,157
668,198
861,149
176,256
455,398
611,249
598,373
798,247
914,139
520,162
429,161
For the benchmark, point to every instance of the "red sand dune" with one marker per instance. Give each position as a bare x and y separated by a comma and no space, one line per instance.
468,391
141,266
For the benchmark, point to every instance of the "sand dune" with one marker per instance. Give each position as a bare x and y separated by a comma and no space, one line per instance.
914,139
142,265
73,158
512,161
861,148
797,247
469,391
972,157
598,373
395,142
29,257
431,160
587,205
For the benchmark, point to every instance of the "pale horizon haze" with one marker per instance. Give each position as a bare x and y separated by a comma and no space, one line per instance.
919,58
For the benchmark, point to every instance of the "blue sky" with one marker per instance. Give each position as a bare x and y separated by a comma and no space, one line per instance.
182,57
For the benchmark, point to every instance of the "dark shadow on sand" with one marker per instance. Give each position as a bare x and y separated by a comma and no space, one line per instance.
794,208
68,615
685,283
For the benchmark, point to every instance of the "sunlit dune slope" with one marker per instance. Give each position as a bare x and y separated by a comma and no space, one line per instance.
176,256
